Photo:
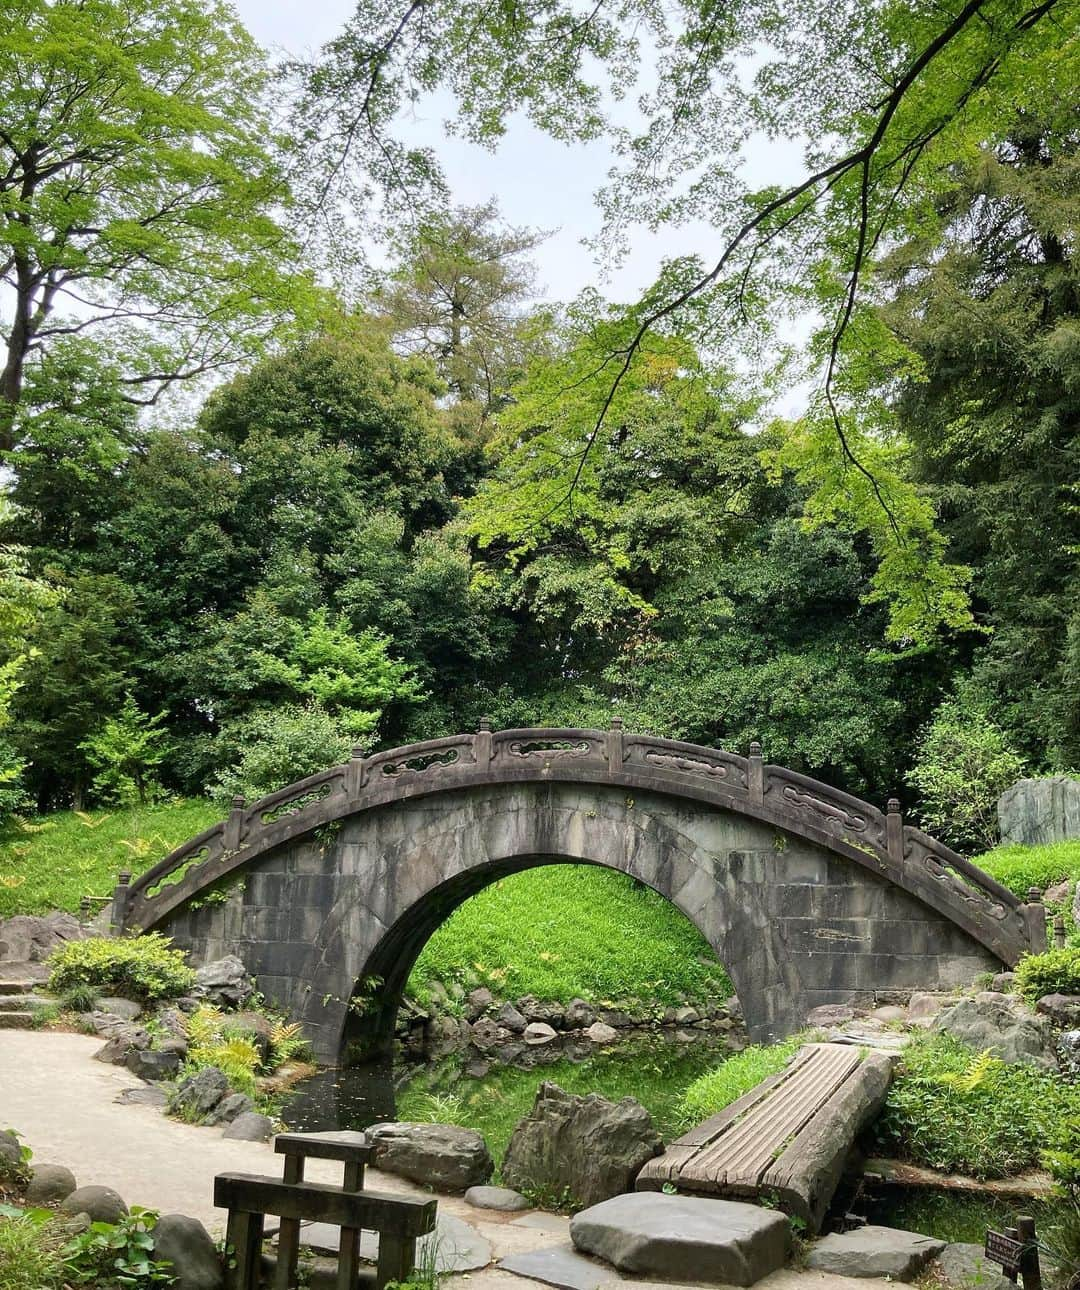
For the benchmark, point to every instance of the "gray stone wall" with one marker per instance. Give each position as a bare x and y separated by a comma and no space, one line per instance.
794,924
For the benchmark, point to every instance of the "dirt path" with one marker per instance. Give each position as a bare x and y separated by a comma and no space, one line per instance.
62,1103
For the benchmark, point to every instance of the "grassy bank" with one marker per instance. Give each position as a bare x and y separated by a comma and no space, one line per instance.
51,863
566,931
1019,868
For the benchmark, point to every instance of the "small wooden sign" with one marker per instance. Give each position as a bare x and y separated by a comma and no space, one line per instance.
1006,1251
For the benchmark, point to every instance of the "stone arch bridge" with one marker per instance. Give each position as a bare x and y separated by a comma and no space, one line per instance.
806,894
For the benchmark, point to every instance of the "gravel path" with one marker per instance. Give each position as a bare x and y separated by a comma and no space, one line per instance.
62,1103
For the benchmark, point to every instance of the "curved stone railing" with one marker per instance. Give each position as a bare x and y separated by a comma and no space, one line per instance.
926,868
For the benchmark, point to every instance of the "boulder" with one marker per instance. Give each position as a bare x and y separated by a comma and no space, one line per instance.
830,1014
997,1022
444,1156
510,1019
1004,982
579,1015
1062,1009
484,1033
100,1204
125,1009
124,1040
586,1148
539,1032
533,1009
200,1093
684,1238
27,939
1059,893
174,1044
874,1252
144,1095
151,1065
477,1002
615,1017
601,1033
186,1244
501,1198
965,1266
924,1005
50,1184
229,1108
250,1126
687,1016
10,1148
1036,811
889,1013
224,983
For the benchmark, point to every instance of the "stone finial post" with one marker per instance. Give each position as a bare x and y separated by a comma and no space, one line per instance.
1059,932
233,823
755,774
355,773
615,746
482,742
894,831
121,900
1035,917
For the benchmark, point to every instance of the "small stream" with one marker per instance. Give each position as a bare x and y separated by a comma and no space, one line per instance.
490,1095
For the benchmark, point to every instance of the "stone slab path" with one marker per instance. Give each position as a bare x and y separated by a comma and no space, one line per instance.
63,1103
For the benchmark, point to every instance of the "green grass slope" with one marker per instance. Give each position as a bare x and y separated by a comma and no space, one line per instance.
1019,867
51,863
564,931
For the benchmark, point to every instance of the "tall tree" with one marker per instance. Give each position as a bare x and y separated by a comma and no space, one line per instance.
459,294
136,190
876,96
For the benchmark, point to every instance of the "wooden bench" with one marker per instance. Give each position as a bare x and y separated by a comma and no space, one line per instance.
789,1137
399,1220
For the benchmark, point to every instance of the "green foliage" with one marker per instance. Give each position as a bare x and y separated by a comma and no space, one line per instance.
213,1041
958,1111
1055,972
125,752
275,746
117,1253
964,763
718,1088
137,967
29,1260
80,997
135,131
52,863
1019,867
566,931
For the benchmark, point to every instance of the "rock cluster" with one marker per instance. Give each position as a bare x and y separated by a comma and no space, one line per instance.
25,939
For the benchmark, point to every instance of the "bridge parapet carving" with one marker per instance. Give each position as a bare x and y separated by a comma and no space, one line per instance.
788,800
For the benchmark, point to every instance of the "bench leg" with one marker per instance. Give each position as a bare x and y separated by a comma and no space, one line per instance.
289,1232
244,1236
348,1268
397,1258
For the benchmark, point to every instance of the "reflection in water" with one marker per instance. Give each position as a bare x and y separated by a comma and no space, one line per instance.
490,1095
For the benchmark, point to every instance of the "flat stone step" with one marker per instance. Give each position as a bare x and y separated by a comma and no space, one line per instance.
16,1020
20,1002
789,1136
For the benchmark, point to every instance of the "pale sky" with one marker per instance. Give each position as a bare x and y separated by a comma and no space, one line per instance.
538,182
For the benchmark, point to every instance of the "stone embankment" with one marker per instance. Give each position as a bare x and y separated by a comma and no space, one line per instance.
520,1031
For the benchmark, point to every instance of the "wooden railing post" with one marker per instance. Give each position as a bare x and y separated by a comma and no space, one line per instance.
894,832
755,774
232,825
615,746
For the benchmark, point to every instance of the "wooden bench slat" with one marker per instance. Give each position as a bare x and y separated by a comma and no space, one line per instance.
345,1145
397,1216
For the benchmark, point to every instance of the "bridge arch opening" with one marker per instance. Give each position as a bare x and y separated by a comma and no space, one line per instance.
671,944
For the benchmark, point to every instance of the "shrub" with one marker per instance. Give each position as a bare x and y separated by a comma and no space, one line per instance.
274,747
951,1109
718,1088
117,1253
213,1042
141,967
1055,972
964,764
